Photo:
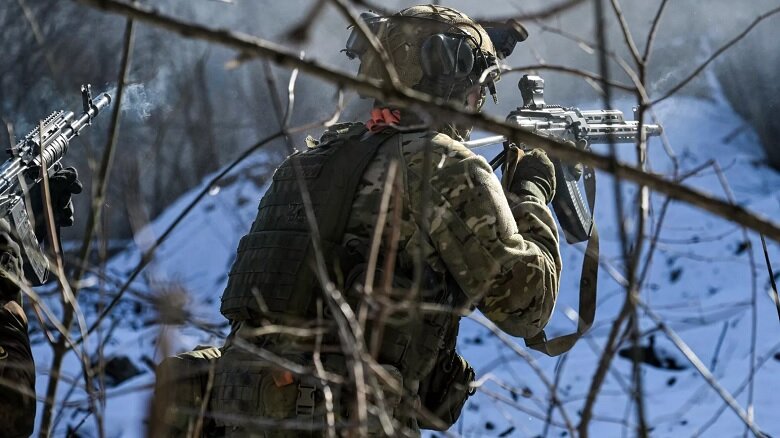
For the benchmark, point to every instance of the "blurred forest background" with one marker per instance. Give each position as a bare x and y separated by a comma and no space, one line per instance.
190,108
187,113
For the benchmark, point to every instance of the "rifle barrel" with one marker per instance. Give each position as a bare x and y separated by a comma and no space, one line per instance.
495,139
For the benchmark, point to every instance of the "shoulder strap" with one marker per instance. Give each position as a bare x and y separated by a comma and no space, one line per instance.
588,284
352,158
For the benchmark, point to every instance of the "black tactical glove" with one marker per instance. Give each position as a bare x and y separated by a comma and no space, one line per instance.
529,173
62,184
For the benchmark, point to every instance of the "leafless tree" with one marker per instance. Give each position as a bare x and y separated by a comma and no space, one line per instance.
152,157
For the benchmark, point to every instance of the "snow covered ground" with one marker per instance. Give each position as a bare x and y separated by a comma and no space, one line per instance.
699,282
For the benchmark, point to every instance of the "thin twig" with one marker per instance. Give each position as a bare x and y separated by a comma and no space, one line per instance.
702,369
565,69
626,32
556,382
550,12
715,55
69,302
506,339
653,31
147,256
97,205
375,45
760,362
446,110
753,293
106,163
716,353
300,32
771,274
634,250
627,310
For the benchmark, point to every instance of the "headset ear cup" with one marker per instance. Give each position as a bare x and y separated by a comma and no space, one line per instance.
447,57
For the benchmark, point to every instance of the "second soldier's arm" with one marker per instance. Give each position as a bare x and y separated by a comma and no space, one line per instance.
504,257
17,368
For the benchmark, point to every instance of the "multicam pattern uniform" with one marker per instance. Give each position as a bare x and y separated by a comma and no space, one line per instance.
502,254
502,259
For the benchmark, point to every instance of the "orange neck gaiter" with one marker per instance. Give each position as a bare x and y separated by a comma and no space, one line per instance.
381,118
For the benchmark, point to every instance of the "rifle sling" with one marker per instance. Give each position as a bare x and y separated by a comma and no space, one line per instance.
588,283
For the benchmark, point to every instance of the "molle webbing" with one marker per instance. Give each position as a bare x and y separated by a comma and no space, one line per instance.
272,274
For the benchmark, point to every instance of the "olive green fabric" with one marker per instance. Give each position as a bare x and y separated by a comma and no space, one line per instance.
183,383
271,278
17,368
423,234
402,39
446,388
17,373
402,36
534,170
452,237
252,400
248,402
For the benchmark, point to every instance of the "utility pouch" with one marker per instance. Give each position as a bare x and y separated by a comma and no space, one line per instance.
445,390
182,391
252,397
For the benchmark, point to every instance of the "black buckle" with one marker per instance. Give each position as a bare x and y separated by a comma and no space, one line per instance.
304,404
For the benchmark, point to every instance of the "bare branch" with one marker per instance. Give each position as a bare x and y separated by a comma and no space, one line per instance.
702,369
376,45
563,69
146,257
653,30
626,31
760,362
113,137
715,55
539,15
771,275
446,110
40,40
507,340
301,31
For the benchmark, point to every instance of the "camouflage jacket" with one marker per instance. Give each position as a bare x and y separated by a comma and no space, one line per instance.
502,250
17,369
17,373
448,238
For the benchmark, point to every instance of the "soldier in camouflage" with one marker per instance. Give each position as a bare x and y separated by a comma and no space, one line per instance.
413,230
17,370
17,367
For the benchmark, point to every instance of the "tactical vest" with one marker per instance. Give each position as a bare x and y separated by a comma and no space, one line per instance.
272,277
272,272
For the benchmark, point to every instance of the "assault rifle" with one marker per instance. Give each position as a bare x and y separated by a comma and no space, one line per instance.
38,150
583,128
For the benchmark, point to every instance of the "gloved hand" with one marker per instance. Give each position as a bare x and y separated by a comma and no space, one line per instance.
62,184
529,173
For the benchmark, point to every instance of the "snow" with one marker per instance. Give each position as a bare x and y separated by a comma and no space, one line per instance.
700,283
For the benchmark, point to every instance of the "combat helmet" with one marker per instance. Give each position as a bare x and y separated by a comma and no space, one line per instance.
437,50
